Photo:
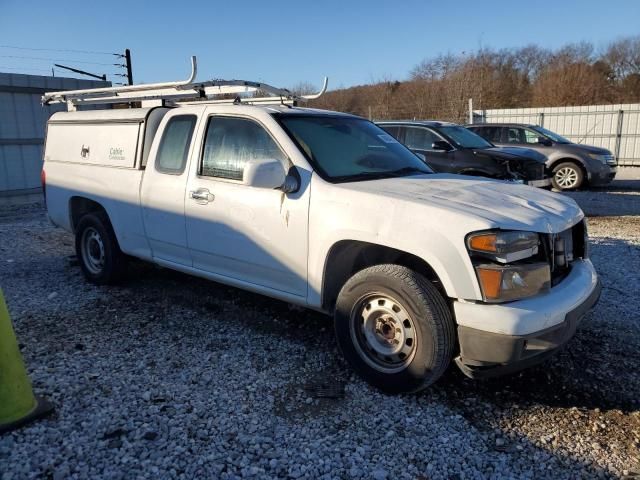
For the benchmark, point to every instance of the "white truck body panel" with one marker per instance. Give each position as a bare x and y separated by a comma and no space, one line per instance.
278,243
113,144
254,235
108,173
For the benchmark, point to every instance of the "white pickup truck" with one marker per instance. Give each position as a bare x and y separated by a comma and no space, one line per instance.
326,210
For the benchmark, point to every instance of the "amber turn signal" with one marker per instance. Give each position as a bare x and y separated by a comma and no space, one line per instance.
490,280
483,243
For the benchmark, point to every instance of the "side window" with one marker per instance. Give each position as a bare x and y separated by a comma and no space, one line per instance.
174,146
531,136
419,138
515,135
393,131
231,142
489,133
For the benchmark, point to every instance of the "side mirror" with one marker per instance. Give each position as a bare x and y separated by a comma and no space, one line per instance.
544,141
264,173
442,145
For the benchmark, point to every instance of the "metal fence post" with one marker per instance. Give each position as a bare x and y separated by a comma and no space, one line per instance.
619,135
471,110
541,119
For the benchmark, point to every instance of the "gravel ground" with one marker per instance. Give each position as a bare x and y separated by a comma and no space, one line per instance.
168,376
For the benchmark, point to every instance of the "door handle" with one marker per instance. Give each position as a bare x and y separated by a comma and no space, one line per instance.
202,196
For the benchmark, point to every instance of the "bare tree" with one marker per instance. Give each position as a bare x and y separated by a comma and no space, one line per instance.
439,87
303,88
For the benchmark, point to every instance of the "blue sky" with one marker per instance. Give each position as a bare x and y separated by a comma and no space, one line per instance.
285,42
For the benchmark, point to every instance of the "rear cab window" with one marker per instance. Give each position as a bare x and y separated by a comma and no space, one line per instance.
174,145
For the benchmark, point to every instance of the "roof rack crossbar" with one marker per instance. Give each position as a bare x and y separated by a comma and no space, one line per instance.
183,90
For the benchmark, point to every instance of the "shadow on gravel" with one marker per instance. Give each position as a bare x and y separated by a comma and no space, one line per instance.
594,371
571,392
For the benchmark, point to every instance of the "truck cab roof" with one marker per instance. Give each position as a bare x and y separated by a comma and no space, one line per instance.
140,114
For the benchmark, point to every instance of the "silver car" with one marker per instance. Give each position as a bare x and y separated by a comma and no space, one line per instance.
572,165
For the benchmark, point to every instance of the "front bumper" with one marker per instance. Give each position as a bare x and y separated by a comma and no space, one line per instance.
499,339
603,175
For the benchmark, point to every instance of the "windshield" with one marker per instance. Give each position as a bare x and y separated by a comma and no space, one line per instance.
464,138
552,135
350,149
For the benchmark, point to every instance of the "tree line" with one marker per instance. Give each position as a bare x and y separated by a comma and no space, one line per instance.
531,76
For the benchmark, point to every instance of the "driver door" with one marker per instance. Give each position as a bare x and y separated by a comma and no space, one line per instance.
245,235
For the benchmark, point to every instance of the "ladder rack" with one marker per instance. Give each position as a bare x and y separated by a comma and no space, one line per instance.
181,91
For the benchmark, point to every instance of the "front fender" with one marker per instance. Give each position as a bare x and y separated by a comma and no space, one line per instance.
439,253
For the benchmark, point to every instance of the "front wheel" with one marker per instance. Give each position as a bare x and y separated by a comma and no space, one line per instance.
567,176
394,328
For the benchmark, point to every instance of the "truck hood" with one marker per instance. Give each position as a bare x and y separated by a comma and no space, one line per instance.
500,204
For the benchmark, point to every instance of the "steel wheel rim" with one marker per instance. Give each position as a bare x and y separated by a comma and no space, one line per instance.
383,333
93,250
567,177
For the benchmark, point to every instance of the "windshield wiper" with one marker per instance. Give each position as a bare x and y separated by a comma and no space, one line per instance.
360,176
404,170
379,175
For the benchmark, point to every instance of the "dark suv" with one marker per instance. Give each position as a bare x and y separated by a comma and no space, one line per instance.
572,165
450,148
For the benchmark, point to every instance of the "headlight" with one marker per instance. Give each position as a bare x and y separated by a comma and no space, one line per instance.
507,264
503,283
607,158
504,247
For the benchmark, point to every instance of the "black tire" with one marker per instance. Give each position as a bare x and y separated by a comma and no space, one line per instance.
95,239
403,293
567,176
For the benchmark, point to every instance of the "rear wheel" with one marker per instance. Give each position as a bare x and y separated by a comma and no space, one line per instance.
394,327
567,176
97,250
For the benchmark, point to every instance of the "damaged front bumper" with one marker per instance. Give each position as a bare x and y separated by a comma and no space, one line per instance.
486,353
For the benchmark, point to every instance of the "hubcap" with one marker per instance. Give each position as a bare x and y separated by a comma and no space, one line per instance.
567,177
383,333
92,250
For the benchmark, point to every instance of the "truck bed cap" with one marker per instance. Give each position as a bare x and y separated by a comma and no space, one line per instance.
119,114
